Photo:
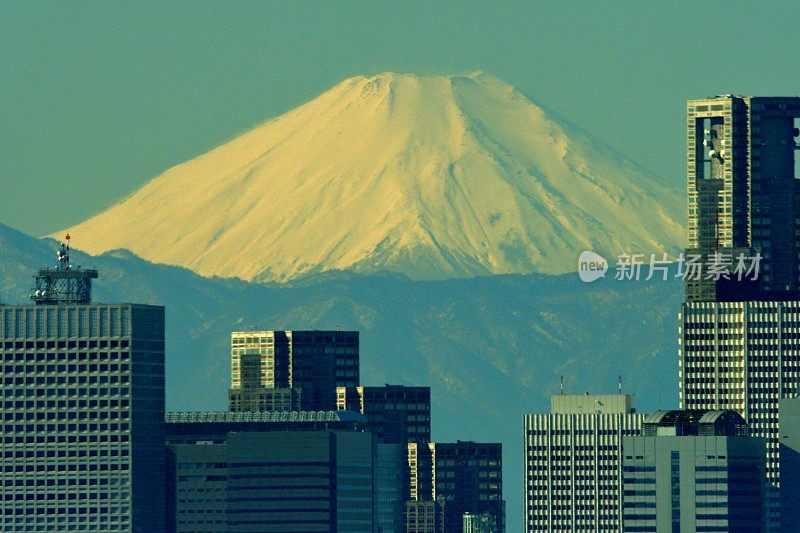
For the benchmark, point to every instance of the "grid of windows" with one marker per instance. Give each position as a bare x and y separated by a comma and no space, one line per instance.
572,476
69,453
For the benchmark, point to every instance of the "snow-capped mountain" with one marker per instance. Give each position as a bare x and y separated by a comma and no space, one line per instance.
432,177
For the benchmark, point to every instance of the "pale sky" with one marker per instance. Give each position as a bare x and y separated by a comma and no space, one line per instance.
98,98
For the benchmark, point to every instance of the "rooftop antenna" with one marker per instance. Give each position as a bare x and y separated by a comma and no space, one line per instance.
561,386
63,284
619,384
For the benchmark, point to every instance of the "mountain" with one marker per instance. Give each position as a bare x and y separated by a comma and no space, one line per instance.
490,348
432,177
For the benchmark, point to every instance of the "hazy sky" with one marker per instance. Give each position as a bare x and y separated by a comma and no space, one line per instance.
97,98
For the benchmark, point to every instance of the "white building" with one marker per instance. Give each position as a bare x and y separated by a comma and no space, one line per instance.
572,458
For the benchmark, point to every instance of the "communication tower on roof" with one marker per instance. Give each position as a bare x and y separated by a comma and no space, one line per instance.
63,284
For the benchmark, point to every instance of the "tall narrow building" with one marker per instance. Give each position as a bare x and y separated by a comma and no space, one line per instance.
291,370
82,408
739,346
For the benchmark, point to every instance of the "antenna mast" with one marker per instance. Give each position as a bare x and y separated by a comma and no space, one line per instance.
63,284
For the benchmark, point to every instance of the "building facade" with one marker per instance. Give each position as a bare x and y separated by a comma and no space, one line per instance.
693,471
82,407
425,516
743,190
291,370
572,462
398,414
465,476
789,427
743,356
273,472
739,346
479,523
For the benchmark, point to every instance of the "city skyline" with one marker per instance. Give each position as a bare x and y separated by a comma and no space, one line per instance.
427,178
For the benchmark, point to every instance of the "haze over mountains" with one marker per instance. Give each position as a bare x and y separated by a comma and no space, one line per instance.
431,177
490,348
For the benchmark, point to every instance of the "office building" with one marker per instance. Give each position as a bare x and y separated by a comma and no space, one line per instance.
693,471
739,346
789,427
743,191
82,408
466,476
397,414
272,472
291,370
572,456
425,516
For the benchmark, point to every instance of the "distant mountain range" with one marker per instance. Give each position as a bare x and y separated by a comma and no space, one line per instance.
491,348
432,177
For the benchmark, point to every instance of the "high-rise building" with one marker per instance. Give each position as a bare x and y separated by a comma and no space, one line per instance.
291,370
789,427
572,462
693,471
743,190
273,472
739,346
397,414
466,476
82,409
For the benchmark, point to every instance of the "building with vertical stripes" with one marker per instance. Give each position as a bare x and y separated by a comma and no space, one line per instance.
573,465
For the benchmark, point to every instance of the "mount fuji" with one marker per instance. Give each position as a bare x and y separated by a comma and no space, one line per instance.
433,177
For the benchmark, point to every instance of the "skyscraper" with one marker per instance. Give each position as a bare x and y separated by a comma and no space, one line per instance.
743,189
572,462
739,346
291,370
82,408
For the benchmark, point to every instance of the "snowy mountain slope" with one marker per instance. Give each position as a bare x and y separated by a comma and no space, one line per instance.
432,177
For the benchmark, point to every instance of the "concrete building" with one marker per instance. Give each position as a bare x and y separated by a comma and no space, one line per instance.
397,414
743,356
789,427
466,476
743,190
693,471
572,460
273,472
291,370
739,346
82,409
